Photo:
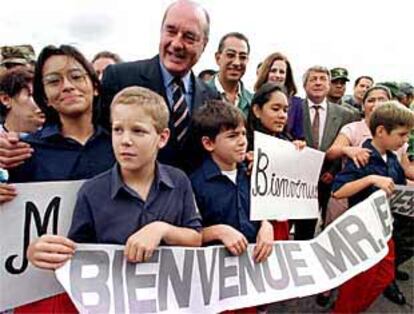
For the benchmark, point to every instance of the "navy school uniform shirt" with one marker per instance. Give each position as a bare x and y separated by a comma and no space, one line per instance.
220,201
376,166
108,211
58,158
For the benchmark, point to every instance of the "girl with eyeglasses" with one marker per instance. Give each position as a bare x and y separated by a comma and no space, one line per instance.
70,146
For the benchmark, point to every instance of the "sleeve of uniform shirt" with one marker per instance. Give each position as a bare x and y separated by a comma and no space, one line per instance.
23,173
348,174
191,217
82,229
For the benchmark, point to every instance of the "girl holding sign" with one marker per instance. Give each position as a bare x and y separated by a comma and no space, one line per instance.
268,114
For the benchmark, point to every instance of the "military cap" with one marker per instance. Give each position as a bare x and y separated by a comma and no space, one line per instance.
406,88
21,54
394,89
339,73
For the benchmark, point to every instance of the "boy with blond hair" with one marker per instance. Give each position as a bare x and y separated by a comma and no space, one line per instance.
139,202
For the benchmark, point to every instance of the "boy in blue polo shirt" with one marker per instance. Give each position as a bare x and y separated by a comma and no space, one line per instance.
139,202
390,124
221,185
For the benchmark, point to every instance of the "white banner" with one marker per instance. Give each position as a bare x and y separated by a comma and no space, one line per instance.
38,208
284,182
402,201
208,280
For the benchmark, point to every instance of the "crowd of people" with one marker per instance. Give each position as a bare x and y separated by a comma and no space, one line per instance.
152,137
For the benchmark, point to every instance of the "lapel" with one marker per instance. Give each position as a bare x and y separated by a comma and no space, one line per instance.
152,77
307,123
332,124
198,92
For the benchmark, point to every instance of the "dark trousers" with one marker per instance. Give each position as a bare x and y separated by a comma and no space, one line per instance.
305,228
403,235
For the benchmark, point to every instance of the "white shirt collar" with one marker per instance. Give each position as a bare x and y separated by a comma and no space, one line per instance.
323,104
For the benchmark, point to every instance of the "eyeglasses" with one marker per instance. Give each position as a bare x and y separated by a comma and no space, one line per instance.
55,80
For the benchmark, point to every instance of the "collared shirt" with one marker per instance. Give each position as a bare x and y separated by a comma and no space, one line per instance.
220,201
322,115
58,158
358,132
350,99
168,85
108,211
376,165
243,99
222,92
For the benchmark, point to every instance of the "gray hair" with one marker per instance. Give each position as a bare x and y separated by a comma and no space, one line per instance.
315,68
206,29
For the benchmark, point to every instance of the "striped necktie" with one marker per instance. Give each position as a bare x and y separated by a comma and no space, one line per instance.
180,114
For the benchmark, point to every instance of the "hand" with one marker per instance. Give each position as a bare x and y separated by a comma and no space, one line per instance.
249,159
13,152
233,240
326,177
299,144
384,183
50,251
7,192
141,245
264,242
359,155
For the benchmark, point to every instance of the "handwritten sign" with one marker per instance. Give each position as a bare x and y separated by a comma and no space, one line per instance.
284,181
39,208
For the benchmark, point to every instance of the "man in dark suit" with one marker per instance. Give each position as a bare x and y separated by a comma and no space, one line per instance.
184,35
322,121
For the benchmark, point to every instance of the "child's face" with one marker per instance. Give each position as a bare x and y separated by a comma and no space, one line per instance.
134,138
68,88
395,139
229,147
273,114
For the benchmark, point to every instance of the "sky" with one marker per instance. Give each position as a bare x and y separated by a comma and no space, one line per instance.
365,36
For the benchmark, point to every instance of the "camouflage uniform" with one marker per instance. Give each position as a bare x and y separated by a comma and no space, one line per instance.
17,55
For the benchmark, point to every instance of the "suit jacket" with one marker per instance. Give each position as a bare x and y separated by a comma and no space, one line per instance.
336,118
147,73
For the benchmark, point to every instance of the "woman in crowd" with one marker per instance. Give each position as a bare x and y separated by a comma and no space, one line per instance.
276,68
353,135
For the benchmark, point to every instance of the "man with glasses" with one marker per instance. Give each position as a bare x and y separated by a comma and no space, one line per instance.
232,57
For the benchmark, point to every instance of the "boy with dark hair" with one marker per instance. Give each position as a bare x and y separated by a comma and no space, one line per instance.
221,185
390,124
18,111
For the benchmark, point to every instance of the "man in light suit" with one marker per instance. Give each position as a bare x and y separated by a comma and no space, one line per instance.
322,121
184,35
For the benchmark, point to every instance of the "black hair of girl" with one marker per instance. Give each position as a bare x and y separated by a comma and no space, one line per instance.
260,98
39,94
